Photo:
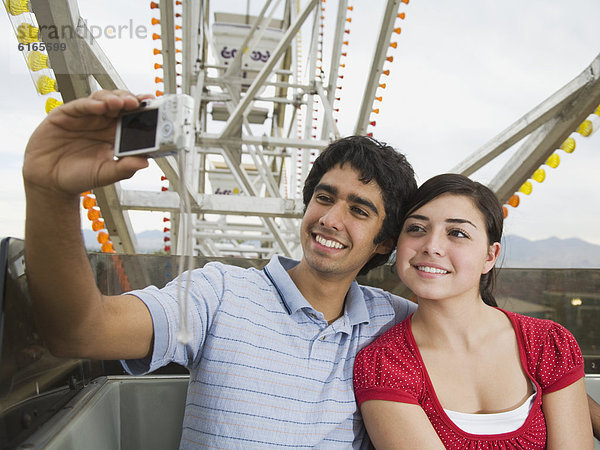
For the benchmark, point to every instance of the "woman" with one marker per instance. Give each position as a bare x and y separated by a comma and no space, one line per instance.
460,372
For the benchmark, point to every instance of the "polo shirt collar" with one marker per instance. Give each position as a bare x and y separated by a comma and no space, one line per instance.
355,308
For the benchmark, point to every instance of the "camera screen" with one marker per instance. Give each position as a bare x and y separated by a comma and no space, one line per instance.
138,130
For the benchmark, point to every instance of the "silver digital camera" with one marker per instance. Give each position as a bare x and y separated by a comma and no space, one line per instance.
160,127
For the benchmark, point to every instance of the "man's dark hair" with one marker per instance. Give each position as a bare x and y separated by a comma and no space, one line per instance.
377,161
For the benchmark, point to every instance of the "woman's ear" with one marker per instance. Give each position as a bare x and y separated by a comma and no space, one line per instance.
492,256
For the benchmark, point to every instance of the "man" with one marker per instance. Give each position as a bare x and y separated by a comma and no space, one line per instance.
272,351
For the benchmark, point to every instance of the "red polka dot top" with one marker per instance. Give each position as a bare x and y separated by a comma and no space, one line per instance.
391,369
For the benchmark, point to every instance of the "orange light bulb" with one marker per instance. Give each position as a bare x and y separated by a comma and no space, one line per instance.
98,224
93,213
102,237
89,201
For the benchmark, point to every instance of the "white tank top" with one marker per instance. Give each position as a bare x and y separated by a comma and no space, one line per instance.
495,423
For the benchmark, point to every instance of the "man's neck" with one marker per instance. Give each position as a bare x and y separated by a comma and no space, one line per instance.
325,295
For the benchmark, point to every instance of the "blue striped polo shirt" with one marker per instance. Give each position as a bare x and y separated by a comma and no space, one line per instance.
266,370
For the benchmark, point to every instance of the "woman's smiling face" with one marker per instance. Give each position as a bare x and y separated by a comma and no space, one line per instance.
443,249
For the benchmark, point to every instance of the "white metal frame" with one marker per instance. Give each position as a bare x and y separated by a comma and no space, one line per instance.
261,222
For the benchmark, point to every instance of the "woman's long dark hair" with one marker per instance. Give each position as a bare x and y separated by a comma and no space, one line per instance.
485,201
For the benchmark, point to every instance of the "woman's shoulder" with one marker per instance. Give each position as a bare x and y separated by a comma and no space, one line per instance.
396,347
542,335
533,325
390,364
552,353
392,337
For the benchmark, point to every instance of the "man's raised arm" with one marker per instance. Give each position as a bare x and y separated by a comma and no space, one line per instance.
71,152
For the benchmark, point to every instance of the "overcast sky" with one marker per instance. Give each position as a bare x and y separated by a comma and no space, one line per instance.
463,71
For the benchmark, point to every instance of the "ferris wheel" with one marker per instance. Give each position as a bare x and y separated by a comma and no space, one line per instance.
267,88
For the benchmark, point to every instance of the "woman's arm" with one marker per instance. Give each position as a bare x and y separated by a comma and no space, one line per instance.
595,414
568,418
394,425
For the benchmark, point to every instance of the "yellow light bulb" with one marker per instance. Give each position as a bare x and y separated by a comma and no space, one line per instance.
26,33
597,112
539,175
45,85
526,188
16,7
553,160
52,103
37,61
586,128
569,145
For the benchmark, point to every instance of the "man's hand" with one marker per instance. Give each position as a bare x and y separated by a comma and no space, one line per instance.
72,150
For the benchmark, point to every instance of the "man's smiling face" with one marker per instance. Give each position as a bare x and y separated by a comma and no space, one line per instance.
340,224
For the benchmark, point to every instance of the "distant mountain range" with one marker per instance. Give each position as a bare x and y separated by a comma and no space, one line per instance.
516,251
550,253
